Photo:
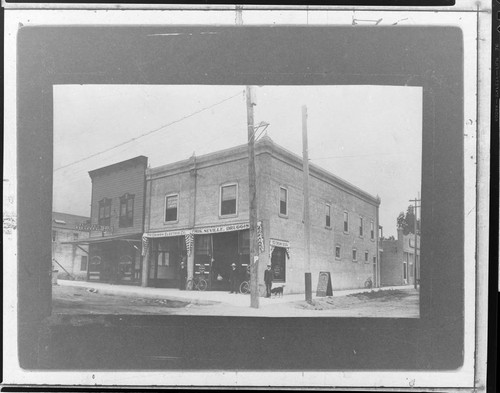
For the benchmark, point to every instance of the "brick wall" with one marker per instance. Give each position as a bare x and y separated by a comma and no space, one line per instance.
209,179
344,272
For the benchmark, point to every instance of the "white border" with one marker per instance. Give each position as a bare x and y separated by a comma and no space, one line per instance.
476,168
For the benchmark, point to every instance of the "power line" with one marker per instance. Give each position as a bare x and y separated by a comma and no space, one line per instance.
150,132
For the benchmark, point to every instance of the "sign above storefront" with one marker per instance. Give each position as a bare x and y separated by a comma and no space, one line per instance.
279,243
199,231
179,232
221,228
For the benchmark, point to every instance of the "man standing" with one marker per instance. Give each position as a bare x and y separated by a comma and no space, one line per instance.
183,275
268,280
233,279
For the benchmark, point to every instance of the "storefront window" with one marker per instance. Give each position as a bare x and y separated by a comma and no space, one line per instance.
202,244
244,242
278,264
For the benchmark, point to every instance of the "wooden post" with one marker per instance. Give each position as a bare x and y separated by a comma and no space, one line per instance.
252,191
307,232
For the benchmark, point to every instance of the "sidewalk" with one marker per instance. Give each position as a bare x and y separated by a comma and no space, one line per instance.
205,297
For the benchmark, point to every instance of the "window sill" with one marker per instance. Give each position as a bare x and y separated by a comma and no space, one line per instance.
170,222
329,228
228,216
283,215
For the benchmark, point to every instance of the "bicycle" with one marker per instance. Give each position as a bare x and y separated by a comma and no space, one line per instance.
196,283
245,287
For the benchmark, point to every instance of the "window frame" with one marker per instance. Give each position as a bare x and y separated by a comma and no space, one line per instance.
285,215
372,230
235,214
361,229
328,217
339,247
127,220
173,194
354,254
104,220
346,221
367,257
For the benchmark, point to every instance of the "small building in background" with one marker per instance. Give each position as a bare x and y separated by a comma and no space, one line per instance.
398,265
69,258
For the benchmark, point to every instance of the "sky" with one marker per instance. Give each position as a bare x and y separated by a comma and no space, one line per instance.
371,136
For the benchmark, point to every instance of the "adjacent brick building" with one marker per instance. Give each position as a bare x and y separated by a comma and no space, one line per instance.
117,222
69,259
397,260
197,210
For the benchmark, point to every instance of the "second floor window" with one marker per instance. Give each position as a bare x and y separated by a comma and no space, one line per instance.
346,222
171,207
354,254
337,251
105,212
228,200
372,230
328,222
126,210
361,226
283,201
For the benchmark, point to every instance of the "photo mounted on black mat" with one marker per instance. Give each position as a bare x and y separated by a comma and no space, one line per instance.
152,209
241,191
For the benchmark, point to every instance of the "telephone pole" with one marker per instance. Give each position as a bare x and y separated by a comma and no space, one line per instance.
415,270
307,232
252,190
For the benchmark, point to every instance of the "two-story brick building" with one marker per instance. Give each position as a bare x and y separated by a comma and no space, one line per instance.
117,222
398,264
197,210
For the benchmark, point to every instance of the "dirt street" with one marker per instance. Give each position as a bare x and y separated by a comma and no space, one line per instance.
69,300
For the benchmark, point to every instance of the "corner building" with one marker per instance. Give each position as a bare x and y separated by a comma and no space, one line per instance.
197,210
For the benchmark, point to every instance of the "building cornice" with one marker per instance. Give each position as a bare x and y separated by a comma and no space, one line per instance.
263,146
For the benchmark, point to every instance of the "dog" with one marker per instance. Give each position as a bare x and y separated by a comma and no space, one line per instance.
277,291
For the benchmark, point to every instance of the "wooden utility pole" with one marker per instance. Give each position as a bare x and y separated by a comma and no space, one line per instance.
307,231
416,200
252,191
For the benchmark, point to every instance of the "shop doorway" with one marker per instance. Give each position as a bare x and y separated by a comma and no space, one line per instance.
215,253
278,264
166,257
225,253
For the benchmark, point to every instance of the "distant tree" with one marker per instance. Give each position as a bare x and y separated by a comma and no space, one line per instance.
407,221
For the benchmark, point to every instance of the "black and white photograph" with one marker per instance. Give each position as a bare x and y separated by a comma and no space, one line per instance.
247,197
152,212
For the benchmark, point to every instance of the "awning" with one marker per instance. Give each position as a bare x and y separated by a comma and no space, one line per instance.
131,237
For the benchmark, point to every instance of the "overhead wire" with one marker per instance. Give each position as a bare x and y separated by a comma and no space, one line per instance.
150,132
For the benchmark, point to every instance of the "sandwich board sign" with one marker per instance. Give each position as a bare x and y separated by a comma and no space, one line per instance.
324,285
